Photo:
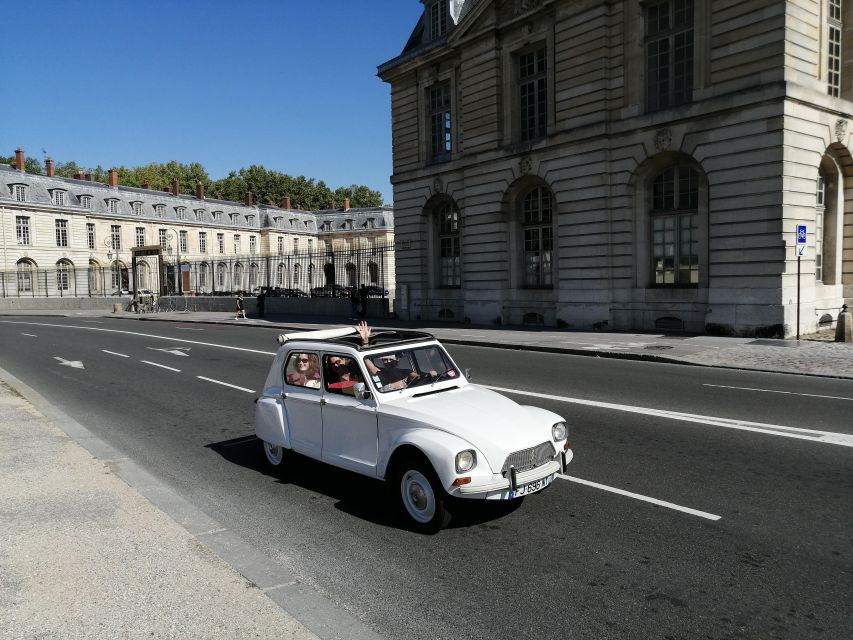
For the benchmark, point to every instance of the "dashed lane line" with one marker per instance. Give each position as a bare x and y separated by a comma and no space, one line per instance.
226,384
31,335
162,366
113,353
789,393
638,496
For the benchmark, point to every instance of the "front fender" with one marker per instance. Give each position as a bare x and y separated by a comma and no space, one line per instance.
271,421
440,448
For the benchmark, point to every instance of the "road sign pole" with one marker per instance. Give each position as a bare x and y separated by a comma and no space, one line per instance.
798,296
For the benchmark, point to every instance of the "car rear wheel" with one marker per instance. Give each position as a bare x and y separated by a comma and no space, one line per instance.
274,454
422,497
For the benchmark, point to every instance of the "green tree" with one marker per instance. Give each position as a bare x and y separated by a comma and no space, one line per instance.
31,165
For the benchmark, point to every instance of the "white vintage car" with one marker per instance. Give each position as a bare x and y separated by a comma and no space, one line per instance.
399,409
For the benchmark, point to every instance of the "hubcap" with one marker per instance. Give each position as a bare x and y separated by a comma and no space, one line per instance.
275,454
418,497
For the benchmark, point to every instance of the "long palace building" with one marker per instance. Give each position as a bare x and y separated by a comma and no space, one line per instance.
73,237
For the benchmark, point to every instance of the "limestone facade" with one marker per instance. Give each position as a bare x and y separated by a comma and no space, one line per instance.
623,164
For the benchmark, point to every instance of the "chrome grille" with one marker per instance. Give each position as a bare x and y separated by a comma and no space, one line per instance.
529,458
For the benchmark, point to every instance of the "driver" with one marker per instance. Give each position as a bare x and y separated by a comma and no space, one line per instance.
391,374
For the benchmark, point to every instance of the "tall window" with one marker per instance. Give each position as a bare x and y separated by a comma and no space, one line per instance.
449,254
22,229
236,243
220,242
538,237
221,270
25,275
438,19
295,245
280,271
202,276
202,242
115,237
675,227
19,192
440,123
253,244
59,197
182,239
833,63
820,210
63,273
669,53
90,235
140,236
310,246
61,233
164,240
533,94
280,241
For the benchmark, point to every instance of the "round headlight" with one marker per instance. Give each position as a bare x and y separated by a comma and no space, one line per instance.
465,461
559,431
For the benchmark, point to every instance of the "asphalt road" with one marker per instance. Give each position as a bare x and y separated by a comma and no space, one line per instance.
753,539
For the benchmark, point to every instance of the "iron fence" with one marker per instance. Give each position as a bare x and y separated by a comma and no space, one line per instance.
318,274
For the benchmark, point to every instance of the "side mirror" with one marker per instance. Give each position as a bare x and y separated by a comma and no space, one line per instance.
468,373
361,392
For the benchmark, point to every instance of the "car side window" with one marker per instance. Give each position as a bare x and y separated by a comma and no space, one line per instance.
341,374
302,370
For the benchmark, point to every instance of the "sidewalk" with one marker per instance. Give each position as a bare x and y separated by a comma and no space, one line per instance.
83,555
816,356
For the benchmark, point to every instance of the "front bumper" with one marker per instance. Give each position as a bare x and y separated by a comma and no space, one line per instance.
499,488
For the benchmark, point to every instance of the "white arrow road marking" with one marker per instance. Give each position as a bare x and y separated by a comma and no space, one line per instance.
69,363
828,437
162,366
637,496
225,384
31,335
175,351
113,353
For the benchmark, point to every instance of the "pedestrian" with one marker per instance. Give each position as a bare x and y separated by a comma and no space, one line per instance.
353,301
362,300
241,310
261,299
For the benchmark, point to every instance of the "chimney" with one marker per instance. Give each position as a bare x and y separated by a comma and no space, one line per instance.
20,159
78,175
199,190
285,202
113,178
88,177
49,167
247,199
346,204
176,189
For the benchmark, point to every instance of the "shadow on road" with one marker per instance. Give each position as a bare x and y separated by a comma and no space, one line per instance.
356,495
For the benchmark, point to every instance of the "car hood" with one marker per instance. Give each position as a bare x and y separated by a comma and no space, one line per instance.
492,423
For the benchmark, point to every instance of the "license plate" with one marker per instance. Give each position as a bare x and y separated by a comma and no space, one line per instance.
531,487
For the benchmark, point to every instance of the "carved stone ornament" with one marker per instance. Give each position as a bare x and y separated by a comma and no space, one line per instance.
840,130
510,9
663,140
525,165
437,186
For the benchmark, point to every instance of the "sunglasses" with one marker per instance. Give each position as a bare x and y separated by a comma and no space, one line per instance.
302,360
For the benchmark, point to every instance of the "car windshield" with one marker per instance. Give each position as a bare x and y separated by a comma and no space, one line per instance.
404,368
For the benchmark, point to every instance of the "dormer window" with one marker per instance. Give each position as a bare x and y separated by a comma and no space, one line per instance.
180,212
19,192
250,220
112,205
58,197
137,208
233,218
326,226
86,202
370,223
347,225
307,224
199,214
437,19
159,210
276,221
217,216
293,222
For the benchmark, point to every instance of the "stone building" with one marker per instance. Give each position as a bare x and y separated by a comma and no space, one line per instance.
68,237
631,165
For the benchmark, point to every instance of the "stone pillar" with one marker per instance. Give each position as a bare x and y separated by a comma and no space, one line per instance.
844,326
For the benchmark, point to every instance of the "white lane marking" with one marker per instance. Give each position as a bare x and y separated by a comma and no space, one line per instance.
790,393
113,353
225,384
188,329
144,335
828,437
31,335
162,366
637,496
177,351
77,364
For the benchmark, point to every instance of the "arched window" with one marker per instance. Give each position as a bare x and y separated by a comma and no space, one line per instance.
143,272
280,274
675,227
310,276
238,276
449,246
373,272
202,276
26,271
64,274
351,274
329,272
253,276
537,229
297,271
221,271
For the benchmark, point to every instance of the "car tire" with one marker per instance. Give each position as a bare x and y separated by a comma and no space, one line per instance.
273,454
421,497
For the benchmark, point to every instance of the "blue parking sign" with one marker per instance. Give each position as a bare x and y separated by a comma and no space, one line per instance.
801,234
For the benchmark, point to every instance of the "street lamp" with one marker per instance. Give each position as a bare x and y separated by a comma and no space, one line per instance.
178,279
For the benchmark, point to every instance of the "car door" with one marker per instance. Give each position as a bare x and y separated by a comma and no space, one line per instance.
350,431
302,404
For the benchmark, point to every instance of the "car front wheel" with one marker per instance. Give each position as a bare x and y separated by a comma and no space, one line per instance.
421,496
274,454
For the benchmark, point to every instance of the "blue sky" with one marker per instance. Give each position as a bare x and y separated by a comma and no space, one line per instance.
285,84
